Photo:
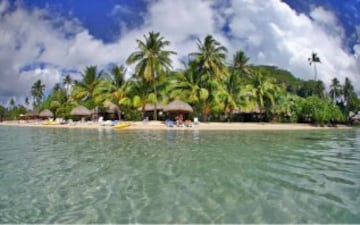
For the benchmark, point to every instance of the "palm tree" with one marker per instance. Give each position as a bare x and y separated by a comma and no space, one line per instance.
27,101
348,89
210,57
12,103
319,89
37,91
84,90
67,84
138,93
187,86
229,95
56,101
335,89
239,64
151,59
313,60
113,87
56,87
263,90
211,66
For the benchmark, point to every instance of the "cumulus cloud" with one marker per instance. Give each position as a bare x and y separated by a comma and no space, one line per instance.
36,46
273,33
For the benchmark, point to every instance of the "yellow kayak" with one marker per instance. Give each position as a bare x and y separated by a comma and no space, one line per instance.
122,125
50,123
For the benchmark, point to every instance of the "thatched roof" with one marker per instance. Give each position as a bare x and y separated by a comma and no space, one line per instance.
80,111
32,113
46,113
111,107
151,107
356,117
178,106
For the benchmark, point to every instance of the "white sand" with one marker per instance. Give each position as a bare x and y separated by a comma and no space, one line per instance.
157,125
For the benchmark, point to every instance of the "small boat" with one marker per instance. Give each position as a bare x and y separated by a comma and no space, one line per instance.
50,123
122,125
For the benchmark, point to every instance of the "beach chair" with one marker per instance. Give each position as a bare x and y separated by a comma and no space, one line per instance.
101,119
71,122
108,123
188,123
169,123
196,121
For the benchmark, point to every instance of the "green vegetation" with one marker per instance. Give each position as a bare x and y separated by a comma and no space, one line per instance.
217,90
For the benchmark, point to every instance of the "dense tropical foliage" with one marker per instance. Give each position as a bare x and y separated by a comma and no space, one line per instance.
217,90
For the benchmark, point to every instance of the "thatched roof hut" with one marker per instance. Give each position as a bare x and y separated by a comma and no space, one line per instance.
33,113
356,117
46,113
151,107
80,111
178,106
111,107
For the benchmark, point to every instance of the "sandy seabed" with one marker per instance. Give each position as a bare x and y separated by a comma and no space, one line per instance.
157,125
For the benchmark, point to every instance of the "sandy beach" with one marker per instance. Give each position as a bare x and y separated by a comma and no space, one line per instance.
158,125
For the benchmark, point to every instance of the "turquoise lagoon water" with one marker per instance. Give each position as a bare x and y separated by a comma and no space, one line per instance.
178,176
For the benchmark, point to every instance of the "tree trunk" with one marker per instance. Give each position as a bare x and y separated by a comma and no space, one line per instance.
119,114
143,111
155,105
315,71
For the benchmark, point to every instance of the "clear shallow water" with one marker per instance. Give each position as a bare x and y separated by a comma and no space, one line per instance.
107,176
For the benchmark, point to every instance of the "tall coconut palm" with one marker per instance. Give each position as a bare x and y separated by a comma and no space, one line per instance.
151,59
85,88
67,84
210,64
56,87
348,89
229,94
113,87
37,91
139,93
27,102
187,86
12,103
335,90
319,89
313,60
211,58
239,63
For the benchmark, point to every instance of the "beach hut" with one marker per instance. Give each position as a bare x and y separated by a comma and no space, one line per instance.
356,118
150,108
80,111
46,114
178,106
34,114
250,112
112,108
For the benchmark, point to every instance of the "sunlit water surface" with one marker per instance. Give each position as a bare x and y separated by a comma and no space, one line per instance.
178,176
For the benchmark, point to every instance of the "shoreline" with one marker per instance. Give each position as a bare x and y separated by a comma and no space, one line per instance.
158,125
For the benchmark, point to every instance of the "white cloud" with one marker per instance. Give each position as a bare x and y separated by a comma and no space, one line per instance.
3,6
270,32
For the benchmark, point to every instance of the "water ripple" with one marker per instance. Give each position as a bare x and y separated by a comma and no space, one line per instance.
179,176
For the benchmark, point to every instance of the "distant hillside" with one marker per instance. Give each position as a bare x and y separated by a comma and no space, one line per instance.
283,77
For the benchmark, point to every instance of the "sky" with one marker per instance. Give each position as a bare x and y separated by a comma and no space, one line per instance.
48,39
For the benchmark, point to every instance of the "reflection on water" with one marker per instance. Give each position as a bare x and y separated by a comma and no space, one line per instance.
178,176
